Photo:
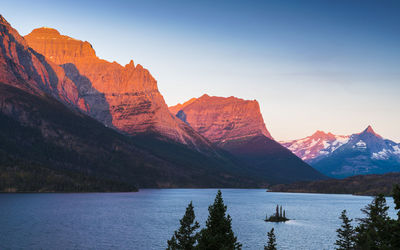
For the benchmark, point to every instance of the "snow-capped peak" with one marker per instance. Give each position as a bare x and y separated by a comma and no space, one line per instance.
321,145
370,130
316,145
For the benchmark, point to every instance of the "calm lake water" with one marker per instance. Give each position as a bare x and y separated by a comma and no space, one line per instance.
147,219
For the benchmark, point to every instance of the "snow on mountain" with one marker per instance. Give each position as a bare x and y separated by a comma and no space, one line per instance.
341,156
316,145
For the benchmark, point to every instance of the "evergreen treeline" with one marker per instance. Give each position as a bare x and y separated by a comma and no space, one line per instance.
22,176
371,185
376,231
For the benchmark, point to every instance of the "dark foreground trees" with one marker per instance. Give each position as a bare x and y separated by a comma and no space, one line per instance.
217,235
271,245
376,231
185,238
345,239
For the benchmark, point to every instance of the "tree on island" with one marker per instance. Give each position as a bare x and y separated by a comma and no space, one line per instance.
280,215
271,241
345,239
185,238
218,233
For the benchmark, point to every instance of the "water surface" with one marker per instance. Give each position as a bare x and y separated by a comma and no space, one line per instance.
147,219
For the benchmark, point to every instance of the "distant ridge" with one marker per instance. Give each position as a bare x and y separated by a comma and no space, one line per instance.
358,185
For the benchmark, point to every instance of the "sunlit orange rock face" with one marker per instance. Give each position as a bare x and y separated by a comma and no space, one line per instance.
124,97
22,67
222,119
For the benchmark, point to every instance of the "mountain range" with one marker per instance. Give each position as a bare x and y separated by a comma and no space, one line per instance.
342,156
70,117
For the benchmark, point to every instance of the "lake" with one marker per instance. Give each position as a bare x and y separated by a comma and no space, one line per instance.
147,219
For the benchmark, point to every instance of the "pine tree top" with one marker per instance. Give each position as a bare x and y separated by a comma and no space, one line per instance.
271,241
218,233
185,237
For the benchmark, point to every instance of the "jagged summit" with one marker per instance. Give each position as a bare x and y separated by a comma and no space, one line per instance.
130,64
370,130
3,20
7,31
26,69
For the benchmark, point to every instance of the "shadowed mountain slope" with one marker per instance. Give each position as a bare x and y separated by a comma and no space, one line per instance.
44,131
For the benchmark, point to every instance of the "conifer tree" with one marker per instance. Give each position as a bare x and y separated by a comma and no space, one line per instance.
277,211
280,214
345,239
185,238
218,234
396,223
374,231
396,198
271,241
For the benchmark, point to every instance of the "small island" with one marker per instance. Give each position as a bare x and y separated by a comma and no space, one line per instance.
279,216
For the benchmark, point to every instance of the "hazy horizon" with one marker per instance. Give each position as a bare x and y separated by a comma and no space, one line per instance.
331,66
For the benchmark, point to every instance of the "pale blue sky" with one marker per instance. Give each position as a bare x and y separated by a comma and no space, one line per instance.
312,65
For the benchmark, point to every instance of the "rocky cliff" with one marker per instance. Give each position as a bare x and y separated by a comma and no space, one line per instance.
22,67
222,119
124,97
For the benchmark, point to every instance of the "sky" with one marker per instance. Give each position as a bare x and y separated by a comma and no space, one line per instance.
312,65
